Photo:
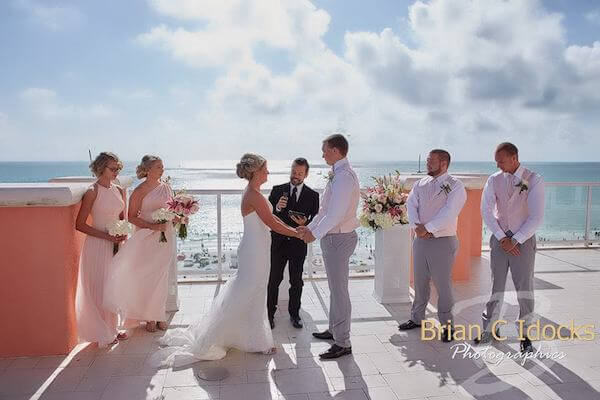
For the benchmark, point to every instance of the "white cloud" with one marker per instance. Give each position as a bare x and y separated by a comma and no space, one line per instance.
474,73
46,103
54,18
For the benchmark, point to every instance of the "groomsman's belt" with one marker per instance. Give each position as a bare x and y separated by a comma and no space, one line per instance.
509,234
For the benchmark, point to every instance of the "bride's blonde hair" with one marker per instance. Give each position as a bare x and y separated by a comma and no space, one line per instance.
248,165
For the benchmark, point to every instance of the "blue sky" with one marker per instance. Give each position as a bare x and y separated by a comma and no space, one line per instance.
210,79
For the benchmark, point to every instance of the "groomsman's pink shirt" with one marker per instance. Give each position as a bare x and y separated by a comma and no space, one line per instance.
504,206
429,204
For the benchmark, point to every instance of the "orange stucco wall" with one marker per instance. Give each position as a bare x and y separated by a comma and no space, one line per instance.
469,235
38,278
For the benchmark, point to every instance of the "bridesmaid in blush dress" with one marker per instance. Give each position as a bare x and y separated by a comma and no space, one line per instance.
139,274
105,202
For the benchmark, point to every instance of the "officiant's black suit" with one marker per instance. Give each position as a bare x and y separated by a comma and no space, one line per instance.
286,250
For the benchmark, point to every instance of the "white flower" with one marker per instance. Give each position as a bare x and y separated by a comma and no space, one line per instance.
120,228
162,214
384,220
330,176
378,208
365,219
523,185
445,188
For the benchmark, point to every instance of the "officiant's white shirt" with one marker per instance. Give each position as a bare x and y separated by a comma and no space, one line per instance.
337,213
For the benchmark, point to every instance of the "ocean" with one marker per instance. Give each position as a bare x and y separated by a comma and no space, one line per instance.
564,214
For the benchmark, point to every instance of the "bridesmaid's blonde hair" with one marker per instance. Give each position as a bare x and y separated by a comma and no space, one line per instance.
142,170
99,164
249,164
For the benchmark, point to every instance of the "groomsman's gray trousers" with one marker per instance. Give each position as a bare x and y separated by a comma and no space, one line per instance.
337,249
432,261
521,269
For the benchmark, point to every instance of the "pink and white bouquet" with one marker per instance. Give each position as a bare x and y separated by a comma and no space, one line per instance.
183,205
119,227
161,216
384,204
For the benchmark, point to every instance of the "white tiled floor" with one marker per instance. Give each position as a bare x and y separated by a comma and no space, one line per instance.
385,365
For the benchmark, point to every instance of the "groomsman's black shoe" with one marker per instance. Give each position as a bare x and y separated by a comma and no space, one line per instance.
410,324
486,337
526,346
272,323
296,322
447,336
323,335
335,351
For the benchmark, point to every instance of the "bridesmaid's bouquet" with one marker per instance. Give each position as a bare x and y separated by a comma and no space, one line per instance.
183,206
161,216
384,205
119,227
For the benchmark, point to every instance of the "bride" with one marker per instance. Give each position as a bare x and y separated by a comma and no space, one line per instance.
238,316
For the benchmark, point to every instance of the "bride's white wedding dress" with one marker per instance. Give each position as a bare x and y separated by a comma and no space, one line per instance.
238,316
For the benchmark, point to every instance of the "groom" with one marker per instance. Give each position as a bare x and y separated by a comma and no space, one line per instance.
335,226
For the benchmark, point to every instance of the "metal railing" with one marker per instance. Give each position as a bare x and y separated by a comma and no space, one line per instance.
311,269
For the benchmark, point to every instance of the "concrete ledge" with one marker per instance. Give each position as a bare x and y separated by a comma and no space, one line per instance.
60,192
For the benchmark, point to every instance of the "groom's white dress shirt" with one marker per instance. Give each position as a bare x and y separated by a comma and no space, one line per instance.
337,213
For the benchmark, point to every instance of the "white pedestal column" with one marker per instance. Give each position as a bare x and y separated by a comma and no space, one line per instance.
392,264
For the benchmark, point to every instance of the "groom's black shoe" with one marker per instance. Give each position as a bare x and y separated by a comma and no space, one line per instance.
335,351
272,323
410,324
296,322
323,335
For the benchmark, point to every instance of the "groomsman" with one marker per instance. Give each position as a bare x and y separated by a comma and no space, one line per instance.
512,206
295,204
335,226
433,206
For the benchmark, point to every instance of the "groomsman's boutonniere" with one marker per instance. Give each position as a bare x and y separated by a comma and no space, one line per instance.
523,185
445,188
330,176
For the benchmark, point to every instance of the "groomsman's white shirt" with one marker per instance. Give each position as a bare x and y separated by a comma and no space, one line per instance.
524,211
337,213
429,204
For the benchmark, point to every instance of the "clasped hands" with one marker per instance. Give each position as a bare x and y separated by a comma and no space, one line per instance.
305,234
510,246
422,232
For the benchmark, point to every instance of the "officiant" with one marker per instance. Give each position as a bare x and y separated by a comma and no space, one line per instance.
295,204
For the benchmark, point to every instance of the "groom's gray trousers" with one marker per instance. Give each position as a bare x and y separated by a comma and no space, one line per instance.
432,261
337,249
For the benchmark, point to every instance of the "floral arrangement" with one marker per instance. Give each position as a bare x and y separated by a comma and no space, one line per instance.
183,206
384,204
119,227
161,216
